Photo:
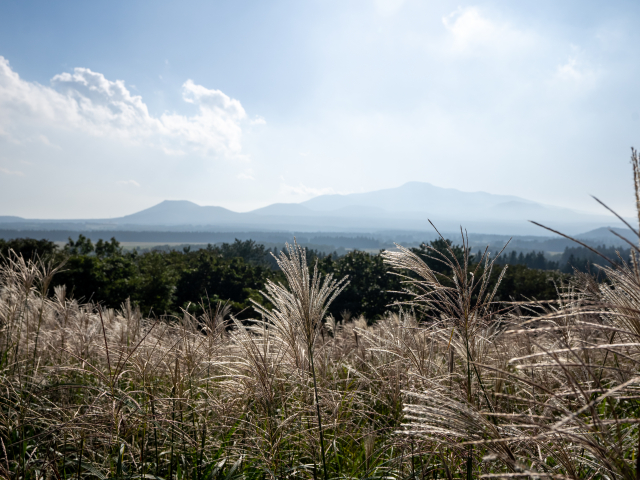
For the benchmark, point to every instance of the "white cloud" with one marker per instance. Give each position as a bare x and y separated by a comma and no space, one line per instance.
87,102
216,127
128,183
470,29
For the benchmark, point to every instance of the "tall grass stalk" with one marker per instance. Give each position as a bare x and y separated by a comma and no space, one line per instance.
299,311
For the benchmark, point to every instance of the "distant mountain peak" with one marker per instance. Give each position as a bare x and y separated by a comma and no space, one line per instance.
404,208
184,203
167,206
178,201
178,212
414,196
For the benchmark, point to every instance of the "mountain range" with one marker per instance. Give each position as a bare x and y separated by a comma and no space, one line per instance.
407,208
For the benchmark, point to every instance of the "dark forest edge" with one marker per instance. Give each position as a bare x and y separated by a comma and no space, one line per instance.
166,282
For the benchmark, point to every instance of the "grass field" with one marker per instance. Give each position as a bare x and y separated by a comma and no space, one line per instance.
454,386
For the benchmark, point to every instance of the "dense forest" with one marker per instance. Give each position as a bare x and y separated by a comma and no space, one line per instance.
168,282
572,259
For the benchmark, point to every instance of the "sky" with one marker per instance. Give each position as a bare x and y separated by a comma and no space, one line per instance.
107,108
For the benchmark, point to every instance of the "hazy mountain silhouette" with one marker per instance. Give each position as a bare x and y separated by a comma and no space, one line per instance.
178,212
408,207
605,236
412,197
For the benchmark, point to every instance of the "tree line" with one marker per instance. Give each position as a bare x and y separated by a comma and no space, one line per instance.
168,282
573,258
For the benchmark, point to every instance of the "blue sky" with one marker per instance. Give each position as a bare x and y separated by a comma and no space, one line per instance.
110,107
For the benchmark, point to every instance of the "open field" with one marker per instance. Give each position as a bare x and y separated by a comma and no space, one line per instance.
456,383
454,386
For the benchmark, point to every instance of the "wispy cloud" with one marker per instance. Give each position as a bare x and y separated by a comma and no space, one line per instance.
303,190
129,183
471,29
6,171
577,71
45,141
388,7
247,174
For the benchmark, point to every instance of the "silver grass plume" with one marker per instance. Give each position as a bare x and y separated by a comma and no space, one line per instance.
299,310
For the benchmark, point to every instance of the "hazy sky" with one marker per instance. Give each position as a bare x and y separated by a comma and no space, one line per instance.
110,107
